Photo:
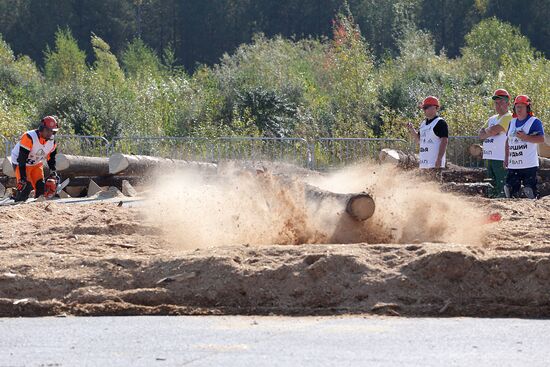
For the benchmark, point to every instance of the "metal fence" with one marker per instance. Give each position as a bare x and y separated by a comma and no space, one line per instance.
6,144
199,149
90,145
291,150
458,151
322,153
95,146
335,152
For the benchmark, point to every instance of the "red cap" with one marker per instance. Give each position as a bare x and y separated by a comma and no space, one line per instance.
430,101
501,93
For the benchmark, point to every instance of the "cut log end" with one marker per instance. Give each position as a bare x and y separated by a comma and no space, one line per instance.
61,162
475,150
361,207
7,167
117,163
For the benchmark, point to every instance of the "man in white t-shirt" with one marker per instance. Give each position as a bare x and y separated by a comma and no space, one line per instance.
494,142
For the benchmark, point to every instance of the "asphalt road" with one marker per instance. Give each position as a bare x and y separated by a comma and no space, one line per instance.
273,341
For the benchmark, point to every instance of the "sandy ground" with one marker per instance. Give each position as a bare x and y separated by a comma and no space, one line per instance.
105,259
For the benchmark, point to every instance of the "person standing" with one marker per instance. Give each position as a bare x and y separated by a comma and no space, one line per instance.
521,153
432,136
494,142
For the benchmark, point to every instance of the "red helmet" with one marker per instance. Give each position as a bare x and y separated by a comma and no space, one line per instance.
522,99
501,93
49,122
430,101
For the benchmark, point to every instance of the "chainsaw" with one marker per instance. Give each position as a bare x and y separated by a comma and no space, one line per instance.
52,187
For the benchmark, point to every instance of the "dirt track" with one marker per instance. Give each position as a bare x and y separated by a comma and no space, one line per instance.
103,259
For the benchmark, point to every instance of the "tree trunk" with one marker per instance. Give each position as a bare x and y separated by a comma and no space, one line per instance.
544,162
139,164
102,181
74,165
398,158
7,168
359,206
473,189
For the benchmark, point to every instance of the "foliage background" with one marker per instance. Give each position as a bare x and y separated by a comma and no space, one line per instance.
262,68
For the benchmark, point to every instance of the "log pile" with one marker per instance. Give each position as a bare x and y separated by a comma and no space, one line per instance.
465,180
119,171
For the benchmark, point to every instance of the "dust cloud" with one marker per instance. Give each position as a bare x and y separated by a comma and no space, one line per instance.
245,206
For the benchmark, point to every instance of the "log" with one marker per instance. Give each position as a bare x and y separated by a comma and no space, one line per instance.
140,164
360,206
544,162
398,158
474,189
7,181
108,181
7,168
544,149
459,174
74,165
476,150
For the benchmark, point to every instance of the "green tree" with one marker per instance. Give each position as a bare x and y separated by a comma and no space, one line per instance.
66,62
106,64
139,60
491,42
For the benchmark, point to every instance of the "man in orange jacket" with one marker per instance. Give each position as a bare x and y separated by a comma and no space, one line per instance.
28,155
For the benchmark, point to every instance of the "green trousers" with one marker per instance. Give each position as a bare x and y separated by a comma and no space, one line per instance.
497,173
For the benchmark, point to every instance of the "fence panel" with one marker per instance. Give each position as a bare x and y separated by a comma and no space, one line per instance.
325,153
335,152
458,151
95,146
290,150
185,148
89,145
6,145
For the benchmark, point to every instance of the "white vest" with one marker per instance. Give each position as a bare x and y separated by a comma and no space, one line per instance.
38,152
494,146
429,145
522,154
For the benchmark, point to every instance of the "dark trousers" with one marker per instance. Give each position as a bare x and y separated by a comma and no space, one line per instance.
497,173
527,176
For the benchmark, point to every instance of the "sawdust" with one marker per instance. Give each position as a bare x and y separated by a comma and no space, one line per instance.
263,208
409,209
235,207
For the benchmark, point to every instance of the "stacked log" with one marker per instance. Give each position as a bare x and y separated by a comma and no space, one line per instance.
140,164
465,180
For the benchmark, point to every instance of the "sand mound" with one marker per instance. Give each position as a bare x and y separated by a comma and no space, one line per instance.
124,267
102,259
